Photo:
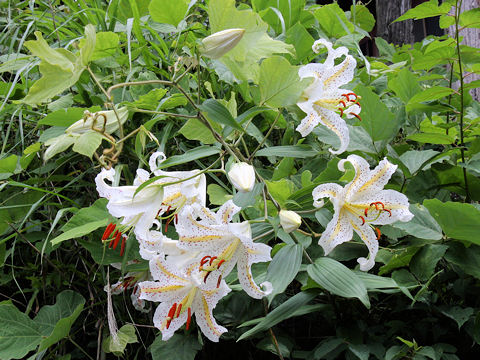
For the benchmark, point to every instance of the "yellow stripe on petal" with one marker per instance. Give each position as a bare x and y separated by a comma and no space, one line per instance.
162,268
208,317
375,177
161,289
203,238
337,74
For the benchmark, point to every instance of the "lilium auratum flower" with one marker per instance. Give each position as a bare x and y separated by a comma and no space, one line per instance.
324,98
182,293
361,204
223,244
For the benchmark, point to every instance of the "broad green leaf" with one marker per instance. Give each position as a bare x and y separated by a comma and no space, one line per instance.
405,85
150,100
194,129
280,190
245,199
283,268
280,85
106,45
299,37
190,155
467,259
362,17
400,259
430,94
422,226
103,255
376,283
285,15
167,11
458,220
173,101
295,151
88,46
470,18
457,313
179,347
424,261
338,279
414,160
256,44
55,321
63,117
332,19
217,195
87,143
280,313
60,58
219,114
385,49
250,113
126,335
18,334
377,120
432,138
425,10
8,166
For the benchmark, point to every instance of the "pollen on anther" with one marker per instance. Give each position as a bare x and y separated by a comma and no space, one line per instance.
122,247
357,116
219,281
189,318
379,234
363,220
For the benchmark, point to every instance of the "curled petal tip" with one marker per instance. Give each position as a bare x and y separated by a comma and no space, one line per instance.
267,287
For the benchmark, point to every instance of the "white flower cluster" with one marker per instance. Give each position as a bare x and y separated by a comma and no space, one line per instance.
186,275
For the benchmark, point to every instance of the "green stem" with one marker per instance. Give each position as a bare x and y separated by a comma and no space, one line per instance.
460,69
266,136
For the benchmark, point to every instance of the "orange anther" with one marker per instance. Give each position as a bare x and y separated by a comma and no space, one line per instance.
351,94
108,231
168,222
189,318
357,103
206,276
357,116
219,281
379,234
122,247
363,220
341,112
117,238
204,260
179,308
211,260
389,212
220,263
376,205
343,103
366,211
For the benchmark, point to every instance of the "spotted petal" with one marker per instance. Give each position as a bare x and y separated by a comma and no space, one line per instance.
338,231
369,237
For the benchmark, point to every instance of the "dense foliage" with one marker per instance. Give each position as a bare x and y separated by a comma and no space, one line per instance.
110,107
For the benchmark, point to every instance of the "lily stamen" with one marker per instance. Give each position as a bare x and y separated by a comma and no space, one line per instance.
189,318
379,234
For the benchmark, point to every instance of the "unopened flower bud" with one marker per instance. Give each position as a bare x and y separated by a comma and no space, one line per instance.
289,220
218,44
242,176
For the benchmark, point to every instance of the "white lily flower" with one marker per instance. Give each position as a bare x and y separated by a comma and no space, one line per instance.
221,42
224,244
182,293
100,123
361,204
242,176
130,281
289,220
323,98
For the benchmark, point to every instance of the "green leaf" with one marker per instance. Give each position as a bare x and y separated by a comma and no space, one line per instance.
282,312
332,19
299,37
190,155
280,190
88,46
167,11
458,221
422,226
87,143
338,279
56,57
284,267
80,231
217,195
432,138
179,347
430,94
150,100
106,45
425,10
63,117
470,18
8,166
194,129
415,160
280,85
126,335
55,321
424,261
219,114
363,17
18,334
288,10
457,313
467,259
377,120
295,151
243,60
400,258
404,85
245,199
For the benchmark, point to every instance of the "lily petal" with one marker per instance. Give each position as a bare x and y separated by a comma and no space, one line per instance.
338,231
369,237
335,123
250,255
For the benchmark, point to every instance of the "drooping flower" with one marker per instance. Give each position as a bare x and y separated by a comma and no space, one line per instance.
324,97
289,220
224,244
361,204
221,42
93,127
242,176
182,293
130,282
